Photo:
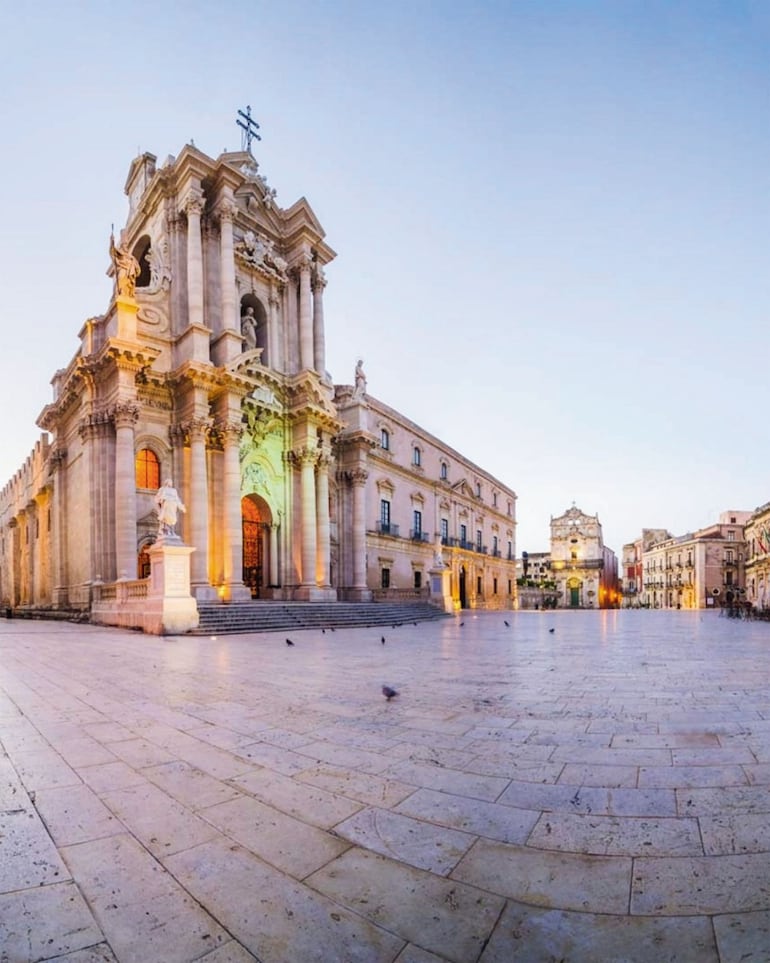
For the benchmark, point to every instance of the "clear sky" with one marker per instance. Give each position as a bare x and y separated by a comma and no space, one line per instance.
550,217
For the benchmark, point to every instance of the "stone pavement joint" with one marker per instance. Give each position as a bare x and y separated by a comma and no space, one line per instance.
597,794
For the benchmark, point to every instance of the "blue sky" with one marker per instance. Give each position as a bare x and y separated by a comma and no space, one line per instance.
550,218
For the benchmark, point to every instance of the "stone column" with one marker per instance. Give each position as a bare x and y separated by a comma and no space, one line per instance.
307,458
58,529
273,558
357,479
198,507
322,517
273,353
319,337
124,416
228,297
193,207
233,525
306,349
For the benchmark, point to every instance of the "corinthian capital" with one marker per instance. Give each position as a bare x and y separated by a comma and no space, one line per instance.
193,204
226,210
357,476
124,414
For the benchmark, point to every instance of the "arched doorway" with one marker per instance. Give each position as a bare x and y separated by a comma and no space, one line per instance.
574,592
255,522
463,598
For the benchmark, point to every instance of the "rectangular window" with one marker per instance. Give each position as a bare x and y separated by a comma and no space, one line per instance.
417,523
494,544
731,536
510,551
478,585
444,530
494,586
510,587
728,578
478,539
418,580
463,535
729,555
385,578
384,515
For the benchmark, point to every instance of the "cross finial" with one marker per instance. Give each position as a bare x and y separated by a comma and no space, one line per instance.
249,128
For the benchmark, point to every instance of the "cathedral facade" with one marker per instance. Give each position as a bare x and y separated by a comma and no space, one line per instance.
208,371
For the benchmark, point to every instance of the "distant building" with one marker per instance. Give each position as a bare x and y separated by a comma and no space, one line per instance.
537,587
631,582
584,568
699,570
757,538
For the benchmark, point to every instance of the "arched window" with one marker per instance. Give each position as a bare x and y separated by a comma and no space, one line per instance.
141,249
147,469
416,457
385,439
444,471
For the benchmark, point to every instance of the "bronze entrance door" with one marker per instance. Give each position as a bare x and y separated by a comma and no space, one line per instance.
253,546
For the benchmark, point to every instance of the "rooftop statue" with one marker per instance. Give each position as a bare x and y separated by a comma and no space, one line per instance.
126,269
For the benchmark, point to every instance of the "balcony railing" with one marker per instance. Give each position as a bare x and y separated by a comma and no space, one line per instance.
417,535
387,528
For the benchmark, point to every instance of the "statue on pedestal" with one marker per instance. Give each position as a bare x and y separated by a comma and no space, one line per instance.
360,378
127,269
249,328
169,504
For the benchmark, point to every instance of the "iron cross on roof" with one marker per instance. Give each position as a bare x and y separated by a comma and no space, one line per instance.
249,128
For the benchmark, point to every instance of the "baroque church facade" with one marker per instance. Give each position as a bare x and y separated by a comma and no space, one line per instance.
209,369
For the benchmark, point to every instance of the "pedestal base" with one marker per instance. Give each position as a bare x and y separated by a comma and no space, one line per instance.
170,609
440,588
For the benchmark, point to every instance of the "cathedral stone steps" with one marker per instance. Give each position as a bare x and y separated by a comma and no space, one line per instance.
257,616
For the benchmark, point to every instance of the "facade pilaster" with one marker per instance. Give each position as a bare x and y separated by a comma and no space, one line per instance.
306,349
229,324
273,353
275,529
233,526
59,578
357,479
306,458
322,517
197,509
193,208
124,417
319,336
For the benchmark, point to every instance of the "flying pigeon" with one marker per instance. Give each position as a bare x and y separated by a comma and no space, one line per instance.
552,630
388,692
382,639
289,642
508,624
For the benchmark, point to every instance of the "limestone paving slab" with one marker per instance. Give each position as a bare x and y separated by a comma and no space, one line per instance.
574,881
743,937
531,933
28,856
590,799
495,821
43,769
192,787
612,777
617,835
160,823
420,844
307,802
46,921
101,953
701,885
363,787
422,774
274,917
686,777
142,910
442,916
735,833
74,814
283,841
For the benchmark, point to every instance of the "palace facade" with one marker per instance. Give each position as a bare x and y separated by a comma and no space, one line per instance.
208,368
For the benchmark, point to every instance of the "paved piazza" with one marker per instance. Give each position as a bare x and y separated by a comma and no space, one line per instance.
595,793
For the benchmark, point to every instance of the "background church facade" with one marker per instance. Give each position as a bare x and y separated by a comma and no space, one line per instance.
209,369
